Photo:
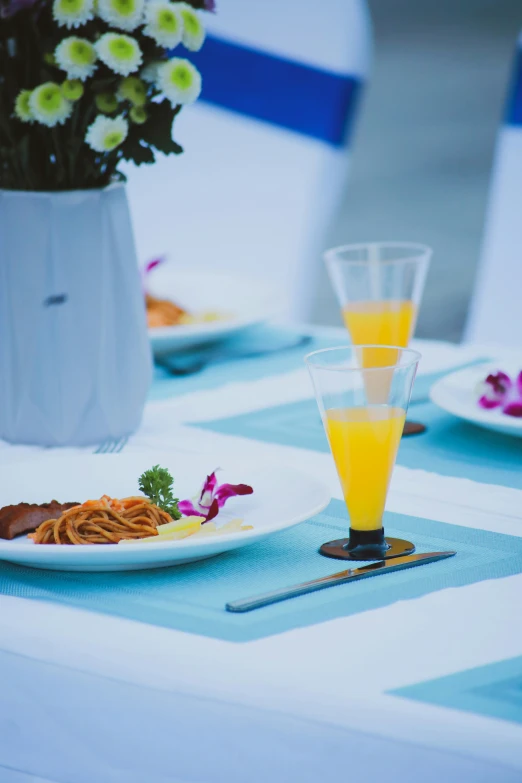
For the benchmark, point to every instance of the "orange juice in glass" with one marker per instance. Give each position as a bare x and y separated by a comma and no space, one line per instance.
364,443
379,287
364,436
389,322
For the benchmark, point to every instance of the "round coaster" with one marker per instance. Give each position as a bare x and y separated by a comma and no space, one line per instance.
413,428
337,550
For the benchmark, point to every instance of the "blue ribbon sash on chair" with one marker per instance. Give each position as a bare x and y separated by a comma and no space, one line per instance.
311,101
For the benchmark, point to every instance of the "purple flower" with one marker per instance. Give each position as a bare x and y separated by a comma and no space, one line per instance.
494,390
147,269
153,264
212,498
513,409
501,391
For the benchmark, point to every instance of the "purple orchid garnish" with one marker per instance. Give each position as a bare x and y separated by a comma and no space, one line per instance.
494,390
499,390
150,265
147,269
212,498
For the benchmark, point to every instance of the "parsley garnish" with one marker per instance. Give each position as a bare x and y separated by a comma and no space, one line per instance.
157,484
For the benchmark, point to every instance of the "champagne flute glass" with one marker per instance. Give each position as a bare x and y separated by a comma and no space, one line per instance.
363,402
379,287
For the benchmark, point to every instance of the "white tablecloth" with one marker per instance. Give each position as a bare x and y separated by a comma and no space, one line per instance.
87,698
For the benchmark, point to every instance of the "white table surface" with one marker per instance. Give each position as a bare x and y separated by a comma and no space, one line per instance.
88,698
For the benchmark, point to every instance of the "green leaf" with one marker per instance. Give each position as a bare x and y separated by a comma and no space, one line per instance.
157,484
133,150
157,131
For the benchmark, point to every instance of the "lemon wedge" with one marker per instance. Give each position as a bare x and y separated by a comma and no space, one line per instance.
191,524
234,526
208,529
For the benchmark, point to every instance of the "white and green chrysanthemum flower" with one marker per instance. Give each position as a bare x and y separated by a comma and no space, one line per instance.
193,30
179,81
48,105
77,57
149,74
107,133
22,107
106,102
138,115
122,14
134,90
163,23
72,89
121,53
73,13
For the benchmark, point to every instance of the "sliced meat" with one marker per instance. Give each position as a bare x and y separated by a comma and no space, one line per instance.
25,517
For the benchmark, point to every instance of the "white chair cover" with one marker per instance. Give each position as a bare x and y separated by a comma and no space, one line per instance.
496,308
265,157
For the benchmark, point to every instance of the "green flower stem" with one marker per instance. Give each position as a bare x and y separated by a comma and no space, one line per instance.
81,118
72,157
23,172
58,153
14,161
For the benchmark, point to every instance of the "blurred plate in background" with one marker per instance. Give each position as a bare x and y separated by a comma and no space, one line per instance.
245,302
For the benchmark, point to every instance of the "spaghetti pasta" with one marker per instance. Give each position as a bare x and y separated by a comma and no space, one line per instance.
104,521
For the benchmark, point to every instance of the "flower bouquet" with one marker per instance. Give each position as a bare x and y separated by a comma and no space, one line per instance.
84,85
88,83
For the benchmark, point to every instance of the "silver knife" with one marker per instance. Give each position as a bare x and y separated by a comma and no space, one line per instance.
351,575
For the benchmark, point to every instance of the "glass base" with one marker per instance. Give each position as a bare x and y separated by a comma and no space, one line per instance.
413,428
367,545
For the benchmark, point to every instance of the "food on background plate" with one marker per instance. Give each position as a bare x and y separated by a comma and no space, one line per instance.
25,517
154,516
164,312
499,390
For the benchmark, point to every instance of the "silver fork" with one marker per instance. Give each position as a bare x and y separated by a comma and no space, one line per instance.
112,446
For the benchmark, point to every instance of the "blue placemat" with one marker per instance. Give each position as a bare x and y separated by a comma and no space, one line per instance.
450,446
258,339
494,690
192,597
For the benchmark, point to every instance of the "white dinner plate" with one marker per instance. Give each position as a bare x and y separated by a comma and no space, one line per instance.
282,498
457,394
247,304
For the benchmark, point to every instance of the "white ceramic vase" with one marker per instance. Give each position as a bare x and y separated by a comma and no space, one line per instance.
75,361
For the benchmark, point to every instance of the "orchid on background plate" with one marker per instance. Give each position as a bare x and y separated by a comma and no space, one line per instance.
147,269
499,390
150,265
212,498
